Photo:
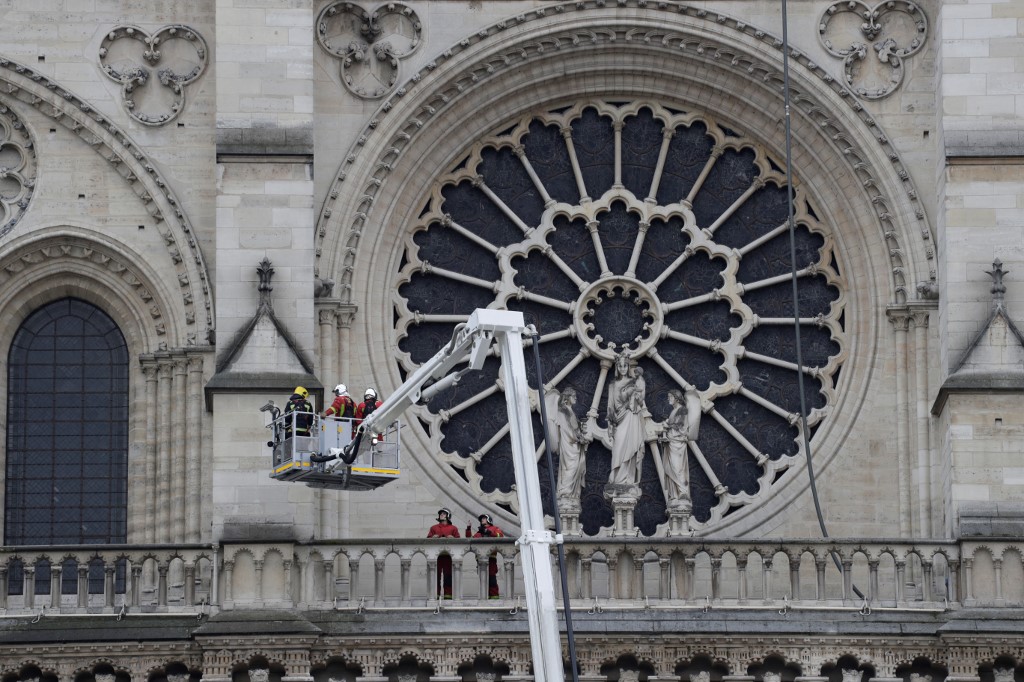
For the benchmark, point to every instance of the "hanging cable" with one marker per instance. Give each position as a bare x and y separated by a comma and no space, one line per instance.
569,634
796,302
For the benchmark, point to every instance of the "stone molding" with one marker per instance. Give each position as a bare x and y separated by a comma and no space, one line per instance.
96,252
140,174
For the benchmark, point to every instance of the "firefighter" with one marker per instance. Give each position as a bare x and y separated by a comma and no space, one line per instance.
370,403
343,406
298,413
489,530
444,528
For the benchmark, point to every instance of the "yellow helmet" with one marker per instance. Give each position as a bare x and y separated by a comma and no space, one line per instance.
301,391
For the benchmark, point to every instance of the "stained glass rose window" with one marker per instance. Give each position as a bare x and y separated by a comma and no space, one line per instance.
629,230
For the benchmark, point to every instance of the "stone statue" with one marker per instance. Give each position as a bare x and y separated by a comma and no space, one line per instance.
680,429
570,443
626,421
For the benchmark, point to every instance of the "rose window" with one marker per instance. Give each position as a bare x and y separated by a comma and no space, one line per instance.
638,233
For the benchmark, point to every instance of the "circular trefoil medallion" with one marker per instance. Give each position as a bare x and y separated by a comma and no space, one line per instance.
650,248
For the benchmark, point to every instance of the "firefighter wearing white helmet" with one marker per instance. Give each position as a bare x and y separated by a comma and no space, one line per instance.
370,403
444,528
343,406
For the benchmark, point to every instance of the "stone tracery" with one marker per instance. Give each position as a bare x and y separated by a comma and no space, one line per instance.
17,169
630,227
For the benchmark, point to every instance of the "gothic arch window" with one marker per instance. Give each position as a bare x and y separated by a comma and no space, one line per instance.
630,227
67,428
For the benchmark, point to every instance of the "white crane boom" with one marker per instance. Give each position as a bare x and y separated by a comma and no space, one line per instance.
472,341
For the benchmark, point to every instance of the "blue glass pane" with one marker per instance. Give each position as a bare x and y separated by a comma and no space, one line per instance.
641,146
593,137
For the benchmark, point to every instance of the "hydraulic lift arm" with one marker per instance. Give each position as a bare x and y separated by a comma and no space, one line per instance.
471,342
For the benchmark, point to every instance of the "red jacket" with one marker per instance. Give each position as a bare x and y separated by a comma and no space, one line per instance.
443,530
343,406
361,411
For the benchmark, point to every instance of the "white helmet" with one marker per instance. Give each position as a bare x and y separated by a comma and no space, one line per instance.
370,393
341,389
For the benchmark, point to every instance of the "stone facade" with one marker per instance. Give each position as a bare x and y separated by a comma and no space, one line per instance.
397,165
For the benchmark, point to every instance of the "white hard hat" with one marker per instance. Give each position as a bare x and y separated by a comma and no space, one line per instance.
340,389
370,393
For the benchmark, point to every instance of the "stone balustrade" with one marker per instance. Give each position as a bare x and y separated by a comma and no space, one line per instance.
603,573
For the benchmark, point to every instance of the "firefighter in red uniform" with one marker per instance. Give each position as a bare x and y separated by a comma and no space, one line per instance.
444,528
343,406
489,530
369,404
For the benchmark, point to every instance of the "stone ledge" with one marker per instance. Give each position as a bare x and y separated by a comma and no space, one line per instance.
991,519
984,143
265,141
978,382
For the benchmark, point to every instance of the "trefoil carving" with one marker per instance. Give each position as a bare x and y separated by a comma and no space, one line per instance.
369,44
153,70
873,42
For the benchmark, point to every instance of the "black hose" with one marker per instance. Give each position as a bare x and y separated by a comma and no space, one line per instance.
796,302
569,633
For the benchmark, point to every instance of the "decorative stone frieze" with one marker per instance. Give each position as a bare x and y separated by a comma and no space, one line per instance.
153,70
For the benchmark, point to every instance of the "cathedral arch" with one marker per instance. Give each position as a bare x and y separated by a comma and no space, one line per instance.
71,261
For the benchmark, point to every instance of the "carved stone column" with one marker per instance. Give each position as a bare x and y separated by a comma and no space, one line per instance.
163,469
570,518
922,415
193,465
148,534
178,470
900,319
344,316
327,358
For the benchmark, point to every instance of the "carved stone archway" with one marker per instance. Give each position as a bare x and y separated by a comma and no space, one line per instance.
686,59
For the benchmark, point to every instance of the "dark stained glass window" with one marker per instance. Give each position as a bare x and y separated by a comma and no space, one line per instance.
629,227
67,428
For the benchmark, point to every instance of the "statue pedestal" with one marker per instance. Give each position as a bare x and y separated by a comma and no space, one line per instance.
623,499
569,515
679,519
